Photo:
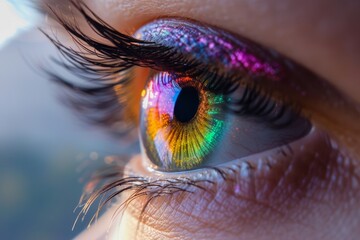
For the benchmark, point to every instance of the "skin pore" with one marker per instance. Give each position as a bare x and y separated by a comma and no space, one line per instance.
323,36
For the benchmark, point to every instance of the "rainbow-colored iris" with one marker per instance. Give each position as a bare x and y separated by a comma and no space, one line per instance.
173,144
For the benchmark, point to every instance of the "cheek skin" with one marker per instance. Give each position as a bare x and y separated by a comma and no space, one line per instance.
307,195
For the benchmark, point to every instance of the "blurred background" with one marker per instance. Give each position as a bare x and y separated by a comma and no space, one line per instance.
44,146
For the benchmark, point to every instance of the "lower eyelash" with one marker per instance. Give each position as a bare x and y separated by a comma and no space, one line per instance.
108,184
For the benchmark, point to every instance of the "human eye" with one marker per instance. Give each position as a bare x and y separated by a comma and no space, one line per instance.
215,112
227,128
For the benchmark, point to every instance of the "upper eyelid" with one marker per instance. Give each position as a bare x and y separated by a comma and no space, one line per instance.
106,59
135,52
134,59
298,88
269,38
100,62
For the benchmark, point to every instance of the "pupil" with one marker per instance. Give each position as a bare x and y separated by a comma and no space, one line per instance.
186,104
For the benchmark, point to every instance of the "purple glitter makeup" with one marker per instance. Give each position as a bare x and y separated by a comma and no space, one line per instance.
213,46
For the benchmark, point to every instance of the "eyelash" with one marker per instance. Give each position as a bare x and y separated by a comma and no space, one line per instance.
107,184
101,67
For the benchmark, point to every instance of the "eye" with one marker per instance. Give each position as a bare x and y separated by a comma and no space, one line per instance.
192,120
183,126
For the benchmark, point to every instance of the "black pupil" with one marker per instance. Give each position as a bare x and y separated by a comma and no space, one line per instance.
186,104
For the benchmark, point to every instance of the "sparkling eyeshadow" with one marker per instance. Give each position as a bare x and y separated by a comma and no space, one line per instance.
213,47
181,123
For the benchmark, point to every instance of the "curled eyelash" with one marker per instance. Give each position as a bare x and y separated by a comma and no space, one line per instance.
102,61
106,185
105,66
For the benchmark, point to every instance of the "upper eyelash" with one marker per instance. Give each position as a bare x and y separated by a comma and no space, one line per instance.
102,65
261,105
255,101
106,60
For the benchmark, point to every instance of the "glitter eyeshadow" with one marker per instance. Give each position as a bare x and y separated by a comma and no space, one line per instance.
214,47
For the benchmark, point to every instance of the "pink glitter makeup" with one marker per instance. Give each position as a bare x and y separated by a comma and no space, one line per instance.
213,47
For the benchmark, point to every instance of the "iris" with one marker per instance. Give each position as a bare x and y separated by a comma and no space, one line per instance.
181,123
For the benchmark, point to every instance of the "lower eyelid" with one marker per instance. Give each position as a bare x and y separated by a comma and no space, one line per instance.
271,185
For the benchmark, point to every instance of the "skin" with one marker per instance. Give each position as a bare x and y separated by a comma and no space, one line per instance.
318,36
